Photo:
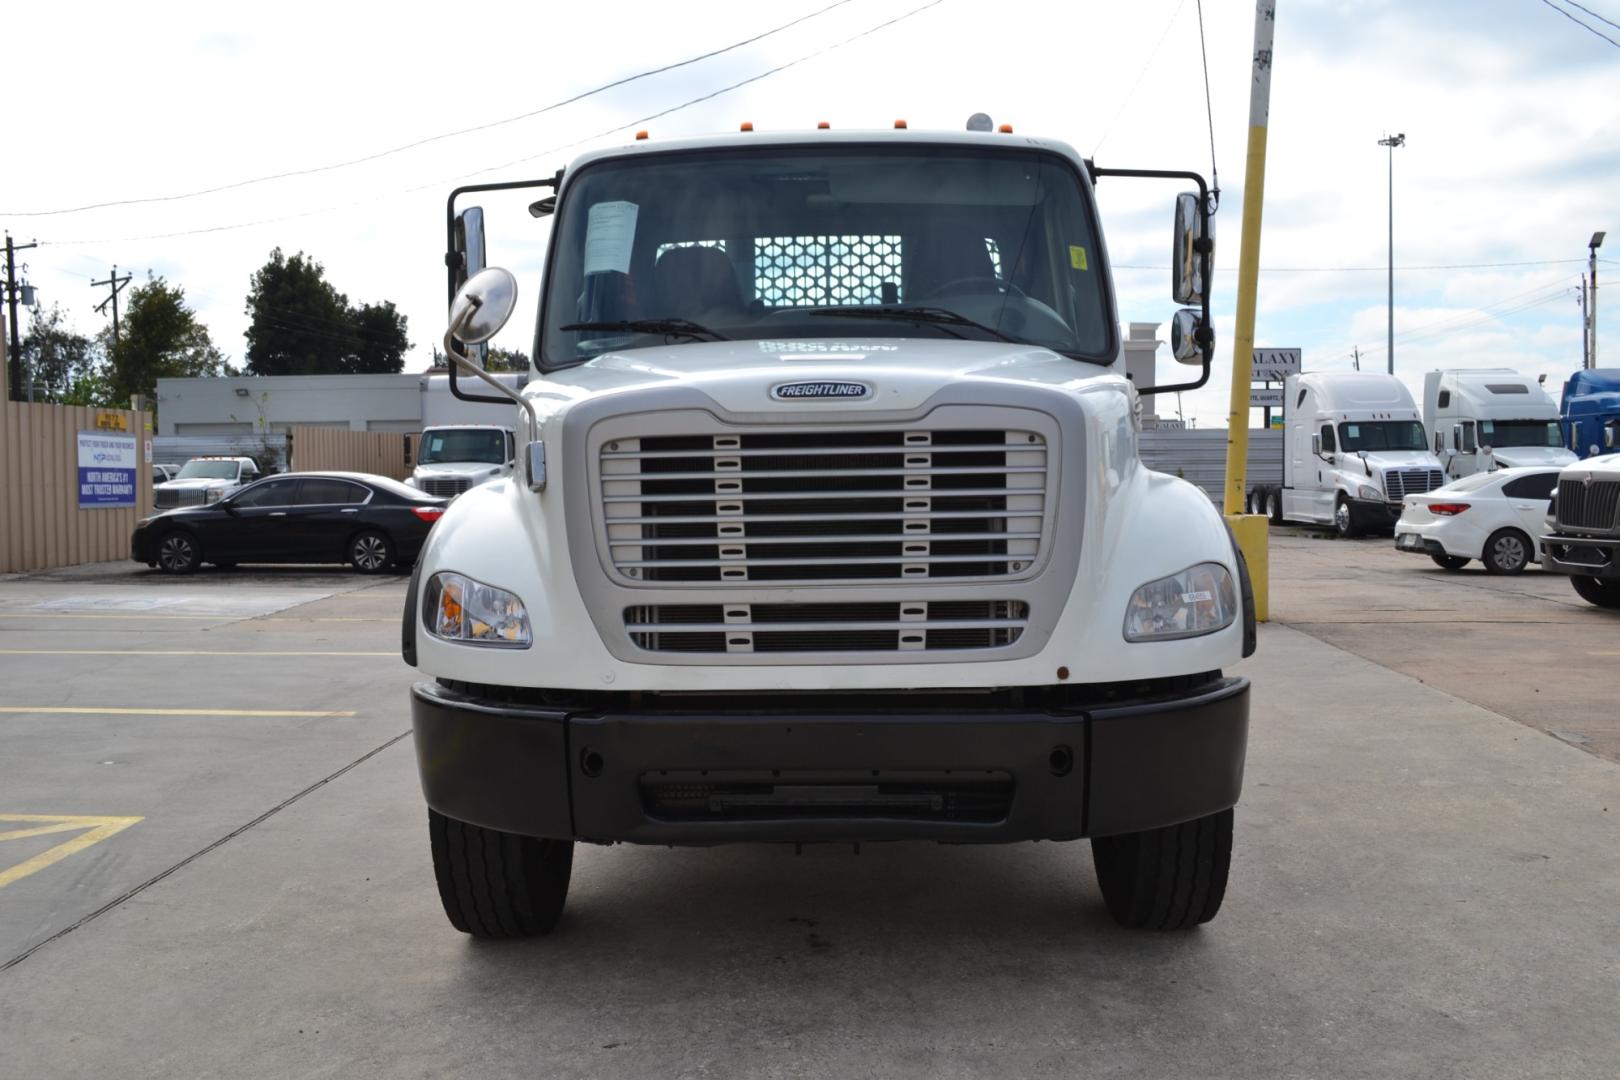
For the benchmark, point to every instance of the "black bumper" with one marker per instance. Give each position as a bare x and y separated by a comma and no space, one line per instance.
726,776
1371,514
1584,556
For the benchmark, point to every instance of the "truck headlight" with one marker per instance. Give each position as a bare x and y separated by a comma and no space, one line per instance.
1367,491
457,608
211,495
1199,600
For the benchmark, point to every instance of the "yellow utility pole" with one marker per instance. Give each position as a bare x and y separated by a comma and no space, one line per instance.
1250,528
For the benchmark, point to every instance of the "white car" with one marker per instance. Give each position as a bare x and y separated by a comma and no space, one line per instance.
1497,517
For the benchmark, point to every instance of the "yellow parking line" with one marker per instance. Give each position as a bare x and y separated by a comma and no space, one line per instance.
98,829
73,710
181,652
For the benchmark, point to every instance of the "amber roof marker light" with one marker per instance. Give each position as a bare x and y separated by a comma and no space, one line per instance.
641,136
747,125
900,125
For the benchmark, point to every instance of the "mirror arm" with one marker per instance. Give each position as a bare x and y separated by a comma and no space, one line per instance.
1204,246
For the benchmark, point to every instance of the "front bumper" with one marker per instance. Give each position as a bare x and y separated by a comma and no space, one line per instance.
1374,513
753,773
1584,556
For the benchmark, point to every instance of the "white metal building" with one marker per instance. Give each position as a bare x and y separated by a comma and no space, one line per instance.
250,405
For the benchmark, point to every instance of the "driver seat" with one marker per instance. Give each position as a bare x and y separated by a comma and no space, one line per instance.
939,258
697,283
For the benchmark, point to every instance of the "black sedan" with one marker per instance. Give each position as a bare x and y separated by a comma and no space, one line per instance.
370,522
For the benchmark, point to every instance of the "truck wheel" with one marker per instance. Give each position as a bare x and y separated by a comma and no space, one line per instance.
1274,505
1506,551
496,884
178,553
1604,592
1344,522
1449,562
371,552
1166,879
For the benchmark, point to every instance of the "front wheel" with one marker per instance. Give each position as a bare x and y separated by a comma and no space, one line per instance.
1344,523
496,884
1166,879
371,552
1604,592
1507,551
1449,562
178,553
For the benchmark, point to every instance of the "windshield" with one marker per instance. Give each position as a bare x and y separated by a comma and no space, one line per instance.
208,470
469,445
835,242
1500,433
1382,435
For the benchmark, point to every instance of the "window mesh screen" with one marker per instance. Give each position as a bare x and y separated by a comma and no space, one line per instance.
821,271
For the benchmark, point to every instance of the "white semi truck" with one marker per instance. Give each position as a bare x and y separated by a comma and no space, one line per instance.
1353,448
829,526
457,458
1481,419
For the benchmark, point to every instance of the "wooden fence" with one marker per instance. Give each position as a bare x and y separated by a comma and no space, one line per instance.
41,523
384,453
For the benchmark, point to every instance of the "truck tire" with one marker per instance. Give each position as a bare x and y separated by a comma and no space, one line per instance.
1449,562
1604,592
1507,551
1274,505
495,884
1344,519
1166,879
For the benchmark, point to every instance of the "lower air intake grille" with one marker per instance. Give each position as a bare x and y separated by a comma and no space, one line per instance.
903,626
982,796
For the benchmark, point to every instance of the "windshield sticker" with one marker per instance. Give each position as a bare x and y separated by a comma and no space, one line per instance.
1077,257
1352,431
609,236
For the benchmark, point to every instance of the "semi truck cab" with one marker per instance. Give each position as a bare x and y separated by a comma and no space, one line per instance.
829,525
1481,419
1591,412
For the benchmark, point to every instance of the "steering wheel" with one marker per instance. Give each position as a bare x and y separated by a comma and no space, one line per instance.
969,286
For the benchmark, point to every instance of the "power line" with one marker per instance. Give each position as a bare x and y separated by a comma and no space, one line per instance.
1209,111
1513,304
1131,93
431,138
1583,26
1594,14
506,165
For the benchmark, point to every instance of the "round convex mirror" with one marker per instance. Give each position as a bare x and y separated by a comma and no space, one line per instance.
483,305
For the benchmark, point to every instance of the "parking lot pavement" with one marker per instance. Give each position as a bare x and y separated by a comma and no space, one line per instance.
1420,887
1525,645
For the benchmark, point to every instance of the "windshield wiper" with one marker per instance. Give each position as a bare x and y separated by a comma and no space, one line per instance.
927,316
680,327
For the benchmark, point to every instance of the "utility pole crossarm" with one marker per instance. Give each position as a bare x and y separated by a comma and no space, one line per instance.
115,283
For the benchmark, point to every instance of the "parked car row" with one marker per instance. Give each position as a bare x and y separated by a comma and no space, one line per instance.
369,522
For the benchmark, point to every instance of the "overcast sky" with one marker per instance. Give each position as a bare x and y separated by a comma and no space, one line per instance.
1511,112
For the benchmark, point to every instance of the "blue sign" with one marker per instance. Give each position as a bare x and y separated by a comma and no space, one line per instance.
107,469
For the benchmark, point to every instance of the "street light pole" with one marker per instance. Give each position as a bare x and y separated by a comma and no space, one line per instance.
1392,141
1591,303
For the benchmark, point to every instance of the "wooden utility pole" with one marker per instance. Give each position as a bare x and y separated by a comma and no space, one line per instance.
16,372
115,283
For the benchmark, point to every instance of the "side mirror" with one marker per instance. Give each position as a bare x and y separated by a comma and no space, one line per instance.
483,305
1316,445
1187,284
468,256
1611,434
1185,344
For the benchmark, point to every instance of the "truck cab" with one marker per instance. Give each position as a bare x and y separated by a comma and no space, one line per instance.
1481,419
829,525
1591,412
1353,449
1584,543
454,459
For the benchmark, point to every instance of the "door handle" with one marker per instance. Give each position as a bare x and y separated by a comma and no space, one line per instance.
278,513
352,510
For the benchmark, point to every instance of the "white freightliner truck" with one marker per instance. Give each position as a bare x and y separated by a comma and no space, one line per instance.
829,525
1353,449
1482,419
451,460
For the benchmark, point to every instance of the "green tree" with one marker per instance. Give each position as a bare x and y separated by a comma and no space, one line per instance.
55,356
162,338
301,325
502,359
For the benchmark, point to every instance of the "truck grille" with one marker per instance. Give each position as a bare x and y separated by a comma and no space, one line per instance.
1399,483
824,507
446,487
907,626
1594,506
168,500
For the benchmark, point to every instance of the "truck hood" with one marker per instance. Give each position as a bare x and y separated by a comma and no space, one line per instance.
1606,467
1378,460
196,483
458,469
899,373
1509,456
